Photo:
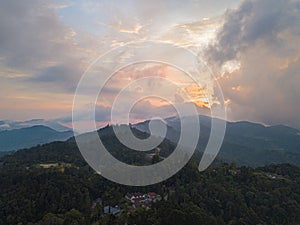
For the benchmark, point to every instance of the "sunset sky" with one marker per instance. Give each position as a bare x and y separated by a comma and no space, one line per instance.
251,46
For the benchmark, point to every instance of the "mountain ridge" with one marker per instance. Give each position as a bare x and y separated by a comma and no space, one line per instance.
11,140
245,143
12,125
243,139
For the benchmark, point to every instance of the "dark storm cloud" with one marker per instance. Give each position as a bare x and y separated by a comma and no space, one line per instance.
252,21
264,36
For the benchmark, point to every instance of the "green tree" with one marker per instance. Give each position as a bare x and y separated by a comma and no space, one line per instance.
74,217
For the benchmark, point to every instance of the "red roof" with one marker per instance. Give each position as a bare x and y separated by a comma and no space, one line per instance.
152,194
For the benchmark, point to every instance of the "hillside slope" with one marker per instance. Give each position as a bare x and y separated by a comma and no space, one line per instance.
28,137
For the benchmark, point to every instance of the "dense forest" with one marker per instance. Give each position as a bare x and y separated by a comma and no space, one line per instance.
52,185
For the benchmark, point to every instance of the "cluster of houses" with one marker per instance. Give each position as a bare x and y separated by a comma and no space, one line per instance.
138,199
134,199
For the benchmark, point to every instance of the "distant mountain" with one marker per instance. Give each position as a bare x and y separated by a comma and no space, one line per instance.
2,154
12,125
245,143
29,137
123,153
67,151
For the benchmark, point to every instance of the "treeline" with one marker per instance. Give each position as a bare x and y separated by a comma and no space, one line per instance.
65,193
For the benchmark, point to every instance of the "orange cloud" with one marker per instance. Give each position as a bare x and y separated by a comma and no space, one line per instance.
197,95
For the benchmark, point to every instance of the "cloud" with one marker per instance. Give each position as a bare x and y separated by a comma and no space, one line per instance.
137,114
263,37
31,33
254,21
258,45
133,20
62,77
164,111
34,41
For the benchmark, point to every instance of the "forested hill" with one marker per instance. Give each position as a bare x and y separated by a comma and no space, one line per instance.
51,184
245,143
11,140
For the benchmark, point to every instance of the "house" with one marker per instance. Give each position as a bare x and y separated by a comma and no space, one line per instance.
133,197
138,199
111,210
154,197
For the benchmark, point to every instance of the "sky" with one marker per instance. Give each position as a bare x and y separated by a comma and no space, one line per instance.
252,48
